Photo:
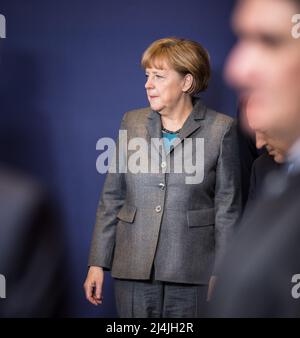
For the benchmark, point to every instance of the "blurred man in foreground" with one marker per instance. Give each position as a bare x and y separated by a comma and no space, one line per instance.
258,274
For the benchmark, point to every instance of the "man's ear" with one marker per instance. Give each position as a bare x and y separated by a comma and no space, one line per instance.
188,81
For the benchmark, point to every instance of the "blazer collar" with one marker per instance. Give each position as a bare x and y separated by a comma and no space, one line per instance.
192,123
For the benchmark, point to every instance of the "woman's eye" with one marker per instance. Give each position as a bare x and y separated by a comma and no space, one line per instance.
156,76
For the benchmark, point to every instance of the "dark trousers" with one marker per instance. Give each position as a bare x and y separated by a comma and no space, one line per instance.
157,299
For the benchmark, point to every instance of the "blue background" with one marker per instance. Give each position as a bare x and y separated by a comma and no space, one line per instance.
68,72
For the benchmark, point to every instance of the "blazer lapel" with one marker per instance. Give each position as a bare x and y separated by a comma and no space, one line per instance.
192,123
154,132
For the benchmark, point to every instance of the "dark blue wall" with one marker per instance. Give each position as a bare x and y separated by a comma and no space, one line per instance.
69,70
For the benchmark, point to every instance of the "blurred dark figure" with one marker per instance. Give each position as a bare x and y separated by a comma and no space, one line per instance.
30,249
31,256
247,151
261,168
256,279
270,161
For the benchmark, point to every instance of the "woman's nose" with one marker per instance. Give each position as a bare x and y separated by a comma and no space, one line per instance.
149,83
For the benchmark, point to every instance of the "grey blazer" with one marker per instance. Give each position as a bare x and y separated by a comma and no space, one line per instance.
157,218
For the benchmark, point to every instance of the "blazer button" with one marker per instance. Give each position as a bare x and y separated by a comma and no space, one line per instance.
158,208
162,186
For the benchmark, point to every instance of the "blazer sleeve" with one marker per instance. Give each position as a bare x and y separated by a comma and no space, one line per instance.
228,199
111,201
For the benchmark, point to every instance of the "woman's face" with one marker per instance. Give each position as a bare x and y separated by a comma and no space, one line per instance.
165,88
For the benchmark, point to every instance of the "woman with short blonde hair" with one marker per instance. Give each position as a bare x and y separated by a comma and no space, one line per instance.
184,56
162,234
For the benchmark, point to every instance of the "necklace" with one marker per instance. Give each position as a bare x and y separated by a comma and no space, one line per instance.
169,131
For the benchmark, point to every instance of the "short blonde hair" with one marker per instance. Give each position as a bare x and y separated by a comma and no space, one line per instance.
183,55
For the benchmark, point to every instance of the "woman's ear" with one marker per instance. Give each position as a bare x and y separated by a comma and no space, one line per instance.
188,81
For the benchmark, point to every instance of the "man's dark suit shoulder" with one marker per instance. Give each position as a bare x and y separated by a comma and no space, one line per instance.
262,166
